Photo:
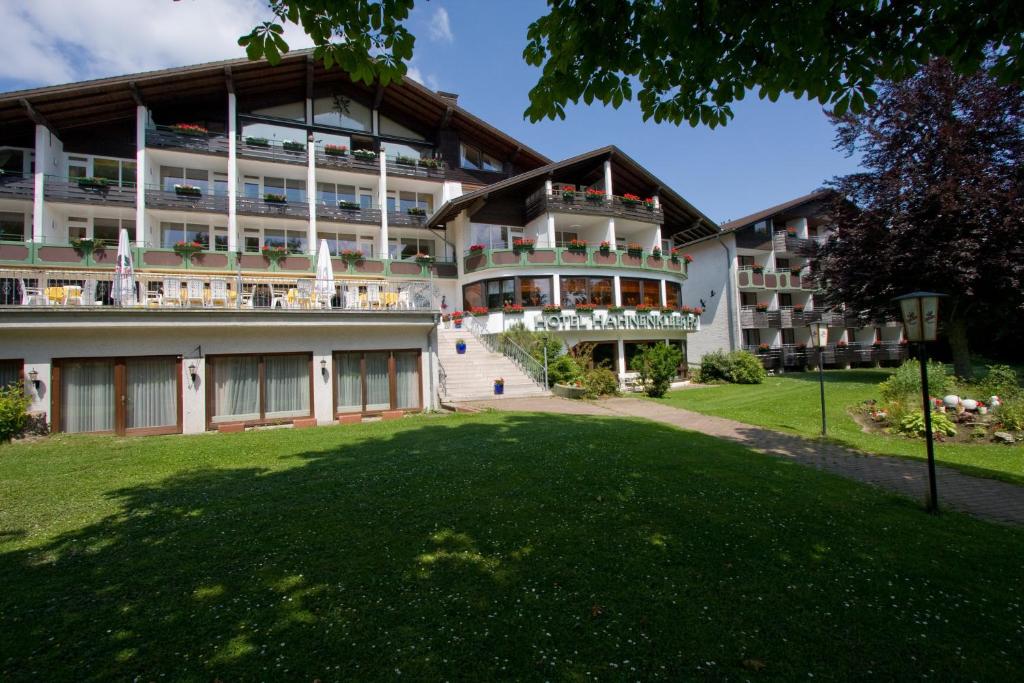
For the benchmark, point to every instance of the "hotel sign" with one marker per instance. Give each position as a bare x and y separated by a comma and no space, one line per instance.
621,321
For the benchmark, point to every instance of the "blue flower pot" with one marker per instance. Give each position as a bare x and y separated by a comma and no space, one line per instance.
460,348
499,389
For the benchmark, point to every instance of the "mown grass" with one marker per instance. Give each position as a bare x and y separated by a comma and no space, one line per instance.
792,403
481,547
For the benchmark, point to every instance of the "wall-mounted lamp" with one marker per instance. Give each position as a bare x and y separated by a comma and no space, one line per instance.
323,369
192,372
33,376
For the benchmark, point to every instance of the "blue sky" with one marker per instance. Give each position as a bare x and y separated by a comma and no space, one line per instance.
768,153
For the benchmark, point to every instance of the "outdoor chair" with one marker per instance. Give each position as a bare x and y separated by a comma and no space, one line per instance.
31,296
195,293
373,296
219,293
351,298
403,299
171,294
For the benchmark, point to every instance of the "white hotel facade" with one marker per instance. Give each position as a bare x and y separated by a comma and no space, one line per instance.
228,176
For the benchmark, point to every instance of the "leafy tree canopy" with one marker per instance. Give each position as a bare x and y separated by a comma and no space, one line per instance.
687,60
939,205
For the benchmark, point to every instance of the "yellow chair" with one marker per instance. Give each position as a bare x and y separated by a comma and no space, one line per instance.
73,294
54,295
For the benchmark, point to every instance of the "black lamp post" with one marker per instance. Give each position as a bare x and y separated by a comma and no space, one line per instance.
819,340
920,311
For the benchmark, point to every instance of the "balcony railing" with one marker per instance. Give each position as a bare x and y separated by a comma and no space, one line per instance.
260,206
332,212
796,356
751,318
61,290
167,137
418,169
147,258
787,244
88,191
271,150
747,278
406,219
578,202
475,261
17,186
170,198
346,161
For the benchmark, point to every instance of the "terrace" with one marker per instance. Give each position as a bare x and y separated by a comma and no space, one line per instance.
484,259
560,201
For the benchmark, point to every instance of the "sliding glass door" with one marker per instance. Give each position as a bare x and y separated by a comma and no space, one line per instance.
374,381
258,388
121,395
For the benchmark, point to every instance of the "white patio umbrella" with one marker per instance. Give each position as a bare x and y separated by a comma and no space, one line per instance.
324,274
124,273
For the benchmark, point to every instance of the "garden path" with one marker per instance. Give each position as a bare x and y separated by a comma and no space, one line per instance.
985,498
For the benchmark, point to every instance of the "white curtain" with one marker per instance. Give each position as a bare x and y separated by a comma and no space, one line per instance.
350,391
407,380
287,386
378,394
236,391
87,396
10,373
152,392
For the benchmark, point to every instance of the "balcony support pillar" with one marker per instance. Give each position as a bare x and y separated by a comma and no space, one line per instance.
382,202
551,230
232,173
556,290
621,356
311,242
609,234
618,290
43,161
608,179
141,118
664,298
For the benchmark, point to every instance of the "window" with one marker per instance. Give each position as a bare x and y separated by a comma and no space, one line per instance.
413,200
415,245
473,296
274,134
372,381
172,233
12,161
337,241
122,395
115,170
196,177
78,167
748,299
258,388
635,292
782,264
761,227
751,337
788,336
331,193
563,237
673,294
10,372
475,159
745,261
106,229
12,226
295,241
493,236
295,190
341,112
501,292
598,291
534,291
785,300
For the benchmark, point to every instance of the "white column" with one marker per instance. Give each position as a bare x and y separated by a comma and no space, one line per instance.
232,173
547,187
311,189
621,357
664,299
657,239
556,290
141,118
618,290
382,198
42,161
551,229
609,234
608,177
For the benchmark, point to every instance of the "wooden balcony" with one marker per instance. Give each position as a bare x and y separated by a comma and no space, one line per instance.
87,191
475,261
578,203
747,278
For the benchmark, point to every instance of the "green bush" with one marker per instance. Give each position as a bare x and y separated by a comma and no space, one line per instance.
563,370
657,366
1011,414
904,385
534,343
739,367
600,381
912,424
13,411
1000,380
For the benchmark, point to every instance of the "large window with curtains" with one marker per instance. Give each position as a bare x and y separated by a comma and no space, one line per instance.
10,372
258,388
374,381
140,395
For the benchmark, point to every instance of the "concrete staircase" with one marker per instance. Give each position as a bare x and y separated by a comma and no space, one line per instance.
470,376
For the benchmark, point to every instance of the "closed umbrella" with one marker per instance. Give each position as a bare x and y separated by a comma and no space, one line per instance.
324,274
124,273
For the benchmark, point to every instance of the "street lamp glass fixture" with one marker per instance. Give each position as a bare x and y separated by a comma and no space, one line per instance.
920,311
819,335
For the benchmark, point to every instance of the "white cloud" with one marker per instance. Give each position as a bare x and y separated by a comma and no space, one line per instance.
55,41
440,27
427,79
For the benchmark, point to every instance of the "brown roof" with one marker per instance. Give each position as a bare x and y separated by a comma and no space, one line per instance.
88,103
681,217
816,196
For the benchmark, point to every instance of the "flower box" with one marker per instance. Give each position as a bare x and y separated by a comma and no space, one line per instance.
585,308
271,198
577,245
290,146
763,348
346,205
274,252
478,310
761,308
431,163
791,232
424,258
568,194
616,309
257,142
336,150
512,308
630,199
351,254
656,253
523,244
186,249
87,245
416,211
757,269
649,204
476,248
605,247
405,161
798,309
91,183
190,129
645,308
364,154
635,249
187,191
593,195
551,308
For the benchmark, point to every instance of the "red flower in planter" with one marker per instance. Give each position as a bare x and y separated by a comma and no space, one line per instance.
605,245
512,308
476,247
761,308
594,193
479,310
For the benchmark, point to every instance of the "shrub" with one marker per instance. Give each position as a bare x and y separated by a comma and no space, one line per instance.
1011,414
1001,381
739,367
13,411
600,381
657,365
912,424
534,342
905,384
563,370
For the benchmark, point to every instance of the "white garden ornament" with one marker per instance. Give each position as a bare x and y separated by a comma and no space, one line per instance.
969,404
951,401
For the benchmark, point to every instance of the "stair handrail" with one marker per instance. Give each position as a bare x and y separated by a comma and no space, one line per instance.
531,367
442,379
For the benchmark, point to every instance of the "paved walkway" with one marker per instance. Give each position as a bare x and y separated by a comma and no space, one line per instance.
986,498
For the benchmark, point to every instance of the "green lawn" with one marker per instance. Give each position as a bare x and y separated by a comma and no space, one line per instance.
480,547
792,403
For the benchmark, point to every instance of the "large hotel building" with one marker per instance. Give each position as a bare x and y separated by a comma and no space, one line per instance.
292,245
